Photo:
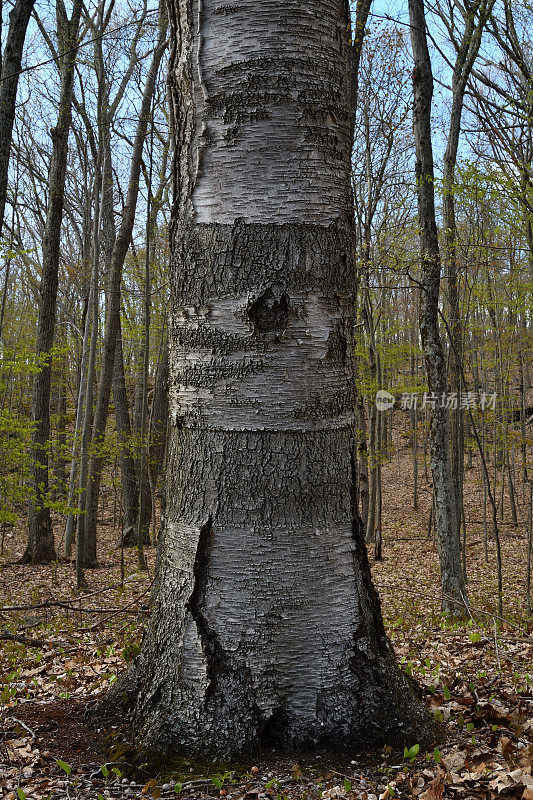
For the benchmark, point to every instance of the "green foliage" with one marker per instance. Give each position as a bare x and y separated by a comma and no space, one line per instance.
219,780
411,753
64,766
17,371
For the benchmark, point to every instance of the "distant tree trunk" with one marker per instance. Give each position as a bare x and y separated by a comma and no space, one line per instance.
374,426
362,461
266,628
118,257
467,53
130,492
448,533
159,418
91,337
60,461
11,65
40,548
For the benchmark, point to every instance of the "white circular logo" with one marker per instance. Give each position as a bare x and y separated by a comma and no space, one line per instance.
384,400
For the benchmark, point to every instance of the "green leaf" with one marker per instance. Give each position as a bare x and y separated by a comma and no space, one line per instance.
446,692
21,794
347,785
437,756
64,766
413,752
104,770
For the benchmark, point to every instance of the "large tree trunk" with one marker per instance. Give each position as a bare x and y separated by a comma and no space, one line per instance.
40,549
266,627
452,579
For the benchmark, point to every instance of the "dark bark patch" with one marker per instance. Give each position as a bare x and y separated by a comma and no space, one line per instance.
211,646
273,729
270,312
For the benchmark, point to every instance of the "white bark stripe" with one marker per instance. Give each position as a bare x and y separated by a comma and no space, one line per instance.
272,127
271,593
300,383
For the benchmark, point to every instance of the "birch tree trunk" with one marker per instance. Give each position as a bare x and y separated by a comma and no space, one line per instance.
266,626
446,516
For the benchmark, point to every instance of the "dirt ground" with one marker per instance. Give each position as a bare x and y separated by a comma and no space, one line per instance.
60,652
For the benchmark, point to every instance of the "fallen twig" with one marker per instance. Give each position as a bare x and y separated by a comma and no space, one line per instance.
15,637
23,725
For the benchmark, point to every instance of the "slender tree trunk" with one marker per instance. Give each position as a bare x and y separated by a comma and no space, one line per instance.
362,461
529,548
466,56
91,340
129,486
40,548
70,524
60,461
130,492
447,518
118,257
266,627
11,66
159,419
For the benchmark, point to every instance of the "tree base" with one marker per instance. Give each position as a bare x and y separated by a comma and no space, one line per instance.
40,549
128,538
393,716
204,692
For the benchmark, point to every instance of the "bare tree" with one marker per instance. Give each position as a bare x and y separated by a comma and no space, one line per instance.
118,256
452,579
40,547
9,80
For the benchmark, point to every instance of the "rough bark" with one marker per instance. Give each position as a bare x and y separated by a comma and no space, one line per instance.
448,534
266,627
11,65
40,549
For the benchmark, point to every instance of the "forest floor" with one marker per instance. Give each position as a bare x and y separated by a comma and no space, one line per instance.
59,653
